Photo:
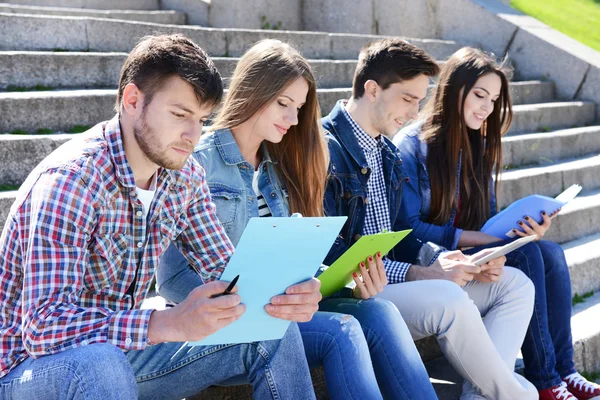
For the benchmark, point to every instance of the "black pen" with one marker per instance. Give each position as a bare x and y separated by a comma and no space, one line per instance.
229,288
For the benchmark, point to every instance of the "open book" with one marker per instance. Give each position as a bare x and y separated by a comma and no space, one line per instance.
502,224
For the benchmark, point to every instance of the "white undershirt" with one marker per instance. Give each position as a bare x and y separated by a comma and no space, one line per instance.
146,196
263,207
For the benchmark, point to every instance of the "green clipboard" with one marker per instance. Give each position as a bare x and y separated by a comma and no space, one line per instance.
339,274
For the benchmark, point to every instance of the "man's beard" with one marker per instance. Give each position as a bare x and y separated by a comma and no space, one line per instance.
146,139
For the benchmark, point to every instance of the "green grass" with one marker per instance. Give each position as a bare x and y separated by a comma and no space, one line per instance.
6,188
578,19
581,298
37,88
591,376
19,132
44,131
79,129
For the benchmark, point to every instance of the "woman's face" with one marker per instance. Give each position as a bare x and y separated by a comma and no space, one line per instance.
273,121
481,100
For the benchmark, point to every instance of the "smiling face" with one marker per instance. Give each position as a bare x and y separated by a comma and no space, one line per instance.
398,104
481,100
171,124
274,120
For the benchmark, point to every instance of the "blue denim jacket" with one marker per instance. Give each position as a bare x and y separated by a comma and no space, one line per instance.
416,203
229,178
347,187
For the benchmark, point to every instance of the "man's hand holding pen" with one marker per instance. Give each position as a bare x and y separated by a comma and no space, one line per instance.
207,309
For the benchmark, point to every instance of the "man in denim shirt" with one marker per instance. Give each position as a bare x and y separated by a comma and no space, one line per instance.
438,293
83,239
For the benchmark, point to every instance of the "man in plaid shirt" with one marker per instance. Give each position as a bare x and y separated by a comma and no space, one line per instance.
83,238
436,292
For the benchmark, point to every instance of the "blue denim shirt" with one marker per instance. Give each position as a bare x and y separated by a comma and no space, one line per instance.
416,202
347,187
229,178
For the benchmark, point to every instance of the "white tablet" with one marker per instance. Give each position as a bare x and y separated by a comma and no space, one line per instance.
507,248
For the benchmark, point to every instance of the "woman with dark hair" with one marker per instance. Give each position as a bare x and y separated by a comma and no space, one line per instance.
267,156
453,159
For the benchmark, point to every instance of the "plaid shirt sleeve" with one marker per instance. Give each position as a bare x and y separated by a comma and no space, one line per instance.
57,221
204,242
395,270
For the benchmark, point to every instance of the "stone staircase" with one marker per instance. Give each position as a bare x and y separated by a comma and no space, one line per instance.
59,69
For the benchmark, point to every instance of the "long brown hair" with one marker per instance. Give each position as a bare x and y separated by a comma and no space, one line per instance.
447,135
260,76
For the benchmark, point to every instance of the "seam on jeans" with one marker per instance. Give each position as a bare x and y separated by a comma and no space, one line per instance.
395,374
271,382
184,362
339,352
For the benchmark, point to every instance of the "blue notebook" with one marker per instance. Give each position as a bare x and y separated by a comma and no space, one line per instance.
502,224
272,254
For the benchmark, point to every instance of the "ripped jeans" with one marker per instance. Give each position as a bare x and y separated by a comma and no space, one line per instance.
378,334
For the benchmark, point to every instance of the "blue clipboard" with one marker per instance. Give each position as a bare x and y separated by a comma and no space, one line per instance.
272,254
502,224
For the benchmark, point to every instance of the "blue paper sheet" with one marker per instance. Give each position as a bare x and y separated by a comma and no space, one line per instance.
502,224
272,254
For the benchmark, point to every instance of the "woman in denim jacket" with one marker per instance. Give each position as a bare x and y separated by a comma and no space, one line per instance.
268,157
451,159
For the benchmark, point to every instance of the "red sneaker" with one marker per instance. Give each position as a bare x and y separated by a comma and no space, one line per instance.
582,388
559,392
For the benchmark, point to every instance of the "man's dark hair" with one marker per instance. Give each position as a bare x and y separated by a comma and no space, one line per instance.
389,61
157,58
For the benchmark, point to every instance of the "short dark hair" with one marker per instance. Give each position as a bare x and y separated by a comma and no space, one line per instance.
157,58
389,61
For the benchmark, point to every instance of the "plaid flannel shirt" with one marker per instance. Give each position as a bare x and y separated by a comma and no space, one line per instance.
377,218
77,253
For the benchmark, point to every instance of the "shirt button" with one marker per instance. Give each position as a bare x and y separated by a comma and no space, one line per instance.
128,341
84,343
364,171
273,195
367,201
139,213
357,236
139,245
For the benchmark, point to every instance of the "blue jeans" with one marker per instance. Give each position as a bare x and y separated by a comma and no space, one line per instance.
276,369
398,366
548,346
336,342
358,364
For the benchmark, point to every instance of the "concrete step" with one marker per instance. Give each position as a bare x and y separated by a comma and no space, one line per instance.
586,334
549,180
6,200
60,110
21,153
32,32
583,257
546,117
60,70
548,147
578,219
94,4
158,17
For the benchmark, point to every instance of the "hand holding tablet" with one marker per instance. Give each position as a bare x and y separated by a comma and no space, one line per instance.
503,250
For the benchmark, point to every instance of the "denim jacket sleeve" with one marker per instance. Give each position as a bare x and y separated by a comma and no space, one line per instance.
340,245
410,209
